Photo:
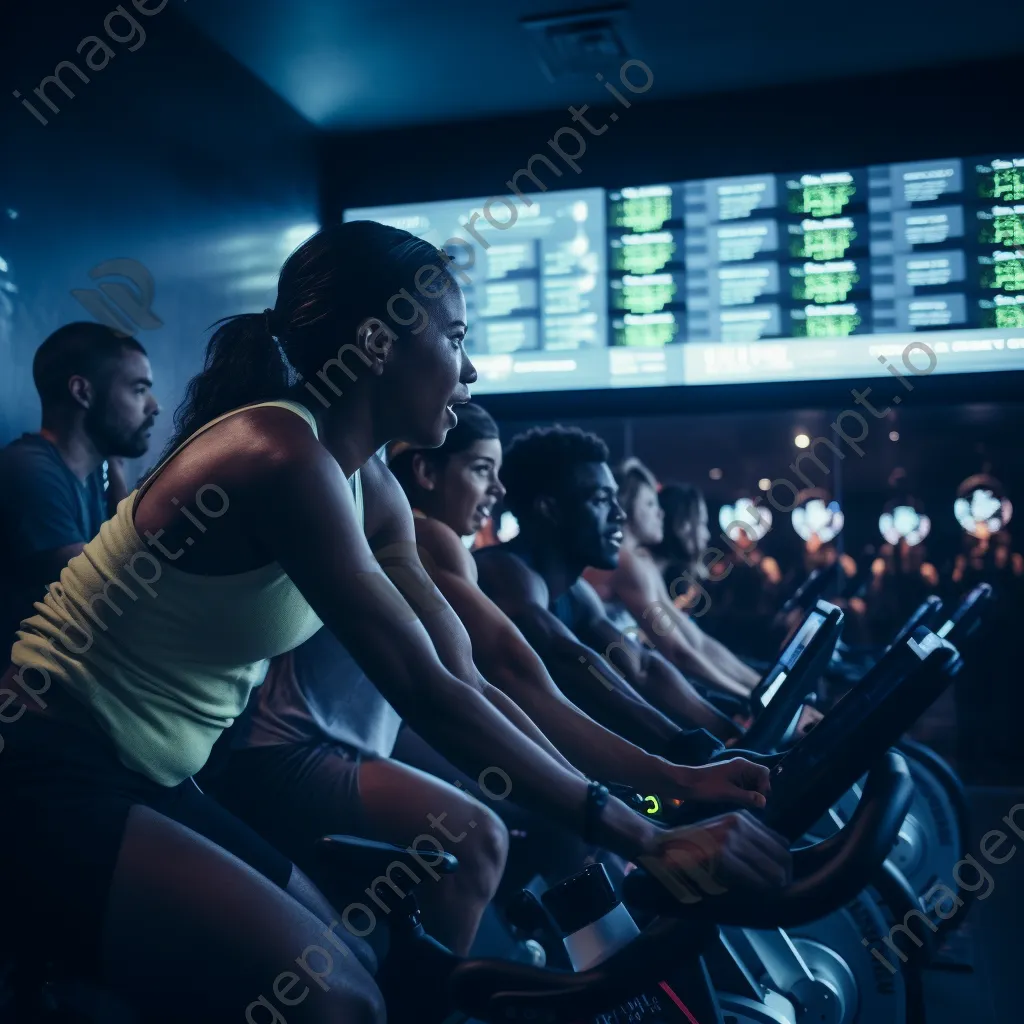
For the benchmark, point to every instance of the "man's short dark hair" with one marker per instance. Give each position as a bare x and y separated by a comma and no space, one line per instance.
82,349
540,461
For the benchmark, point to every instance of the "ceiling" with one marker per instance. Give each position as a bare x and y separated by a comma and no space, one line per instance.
349,66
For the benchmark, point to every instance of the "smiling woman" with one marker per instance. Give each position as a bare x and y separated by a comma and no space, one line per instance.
458,482
99,54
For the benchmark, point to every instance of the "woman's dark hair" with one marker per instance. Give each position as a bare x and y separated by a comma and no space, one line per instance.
329,288
475,424
680,503
631,475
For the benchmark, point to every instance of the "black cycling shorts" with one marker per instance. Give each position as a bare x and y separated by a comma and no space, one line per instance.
65,803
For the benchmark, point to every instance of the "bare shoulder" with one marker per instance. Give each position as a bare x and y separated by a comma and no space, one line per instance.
637,570
503,573
602,580
381,491
252,454
387,517
586,599
272,431
445,548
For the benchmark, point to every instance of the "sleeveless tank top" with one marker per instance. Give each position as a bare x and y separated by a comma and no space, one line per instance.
322,696
164,659
619,615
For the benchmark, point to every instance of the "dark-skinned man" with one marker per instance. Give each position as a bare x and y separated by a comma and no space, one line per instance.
562,491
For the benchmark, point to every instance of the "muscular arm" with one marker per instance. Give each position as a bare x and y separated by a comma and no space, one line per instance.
393,542
502,652
710,648
652,676
515,714
640,587
298,508
582,674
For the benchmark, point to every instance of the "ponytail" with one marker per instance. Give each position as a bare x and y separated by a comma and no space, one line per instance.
327,289
244,364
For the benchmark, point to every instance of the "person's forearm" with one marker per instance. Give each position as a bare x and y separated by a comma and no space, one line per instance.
470,732
519,718
711,652
696,663
390,644
668,691
742,673
594,749
600,692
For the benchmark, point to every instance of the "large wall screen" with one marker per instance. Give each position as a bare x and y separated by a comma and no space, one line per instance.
815,275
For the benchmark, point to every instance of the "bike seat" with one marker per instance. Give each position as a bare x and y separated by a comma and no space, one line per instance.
363,857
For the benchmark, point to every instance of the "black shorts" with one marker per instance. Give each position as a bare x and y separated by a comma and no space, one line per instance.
293,794
65,800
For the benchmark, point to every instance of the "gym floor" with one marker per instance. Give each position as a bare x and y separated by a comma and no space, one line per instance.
992,936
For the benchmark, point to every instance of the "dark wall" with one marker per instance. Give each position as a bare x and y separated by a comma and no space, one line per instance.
922,114
173,156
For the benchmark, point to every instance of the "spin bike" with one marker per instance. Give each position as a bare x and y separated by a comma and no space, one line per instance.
664,972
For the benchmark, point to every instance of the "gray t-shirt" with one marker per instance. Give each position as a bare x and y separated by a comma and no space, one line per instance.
323,695
327,696
43,506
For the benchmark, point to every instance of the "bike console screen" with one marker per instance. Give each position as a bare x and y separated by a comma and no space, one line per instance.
966,618
805,634
862,725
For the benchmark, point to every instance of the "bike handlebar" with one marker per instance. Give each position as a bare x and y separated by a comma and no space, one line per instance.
826,877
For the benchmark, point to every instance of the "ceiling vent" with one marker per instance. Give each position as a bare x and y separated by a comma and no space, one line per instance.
580,44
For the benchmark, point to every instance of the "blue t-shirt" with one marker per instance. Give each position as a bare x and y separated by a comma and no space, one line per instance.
43,506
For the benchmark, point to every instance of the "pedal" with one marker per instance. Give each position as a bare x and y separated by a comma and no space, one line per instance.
526,914
534,953
537,940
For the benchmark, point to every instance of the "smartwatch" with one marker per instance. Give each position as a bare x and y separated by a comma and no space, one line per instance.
597,798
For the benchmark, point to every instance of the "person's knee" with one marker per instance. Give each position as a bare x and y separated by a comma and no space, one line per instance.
341,988
483,858
364,1007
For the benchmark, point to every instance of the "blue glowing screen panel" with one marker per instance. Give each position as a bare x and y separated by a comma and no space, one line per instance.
534,276
823,274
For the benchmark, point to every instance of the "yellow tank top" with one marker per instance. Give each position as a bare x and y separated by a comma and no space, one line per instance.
165,659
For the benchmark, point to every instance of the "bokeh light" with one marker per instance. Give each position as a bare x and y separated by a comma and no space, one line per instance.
746,520
903,522
819,521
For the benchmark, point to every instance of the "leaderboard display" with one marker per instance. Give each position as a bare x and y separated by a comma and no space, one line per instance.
820,274
946,245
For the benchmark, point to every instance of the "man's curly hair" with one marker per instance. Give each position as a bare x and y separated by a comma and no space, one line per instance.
541,461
